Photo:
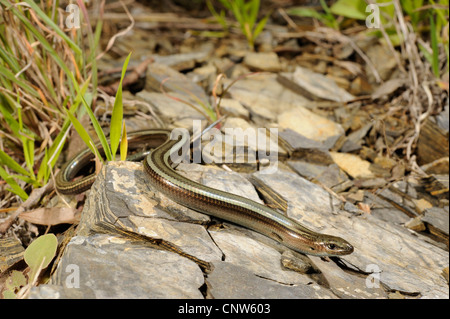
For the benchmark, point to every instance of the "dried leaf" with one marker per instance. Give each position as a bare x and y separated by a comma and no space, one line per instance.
51,216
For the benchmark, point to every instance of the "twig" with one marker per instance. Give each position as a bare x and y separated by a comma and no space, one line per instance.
288,19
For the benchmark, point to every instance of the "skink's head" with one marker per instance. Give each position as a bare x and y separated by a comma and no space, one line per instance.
327,245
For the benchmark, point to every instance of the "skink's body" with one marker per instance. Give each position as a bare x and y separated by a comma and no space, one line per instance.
223,205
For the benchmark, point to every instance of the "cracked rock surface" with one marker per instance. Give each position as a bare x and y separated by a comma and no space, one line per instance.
241,263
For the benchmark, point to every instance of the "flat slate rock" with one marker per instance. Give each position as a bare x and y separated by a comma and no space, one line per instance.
235,282
387,257
314,84
111,267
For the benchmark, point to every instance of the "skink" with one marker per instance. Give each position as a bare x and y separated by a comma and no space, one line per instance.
213,202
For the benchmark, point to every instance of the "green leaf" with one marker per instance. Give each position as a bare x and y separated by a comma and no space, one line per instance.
355,9
15,188
40,253
117,113
98,130
12,164
13,124
427,54
304,12
15,280
28,152
253,15
260,26
434,47
8,294
219,17
226,4
44,172
83,133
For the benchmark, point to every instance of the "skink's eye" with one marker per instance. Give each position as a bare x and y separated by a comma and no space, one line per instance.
331,246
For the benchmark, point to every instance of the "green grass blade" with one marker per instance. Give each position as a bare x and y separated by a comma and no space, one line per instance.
9,60
260,26
226,4
253,12
12,164
98,130
15,188
49,22
83,133
219,17
5,72
434,47
117,113
44,171
27,145
28,152
10,120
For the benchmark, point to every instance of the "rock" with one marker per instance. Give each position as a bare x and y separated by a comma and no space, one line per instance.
382,59
191,238
184,61
173,81
11,252
438,221
229,281
360,86
332,176
432,143
204,75
262,61
385,162
422,204
310,125
261,108
445,273
301,147
388,87
233,108
402,261
264,97
442,119
385,210
416,224
347,286
307,170
354,140
242,263
170,109
248,251
112,267
358,196
438,167
298,262
353,165
315,85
